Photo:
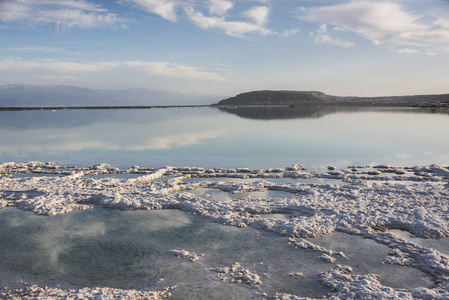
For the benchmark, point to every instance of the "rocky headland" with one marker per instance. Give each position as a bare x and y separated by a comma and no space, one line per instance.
315,98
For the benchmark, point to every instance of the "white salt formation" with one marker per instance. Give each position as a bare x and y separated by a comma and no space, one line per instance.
238,274
367,202
185,254
35,292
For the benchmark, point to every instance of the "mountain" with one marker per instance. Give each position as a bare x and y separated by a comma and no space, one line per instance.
310,98
158,97
277,97
21,95
32,95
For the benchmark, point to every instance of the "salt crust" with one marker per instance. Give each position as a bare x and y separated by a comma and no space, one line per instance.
238,274
367,204
35,292
185,254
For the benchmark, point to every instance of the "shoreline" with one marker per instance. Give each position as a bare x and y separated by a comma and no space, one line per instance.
441,105
364,201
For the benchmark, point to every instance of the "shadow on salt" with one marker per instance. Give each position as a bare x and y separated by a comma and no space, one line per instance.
365,256
273,180
221,196
131,250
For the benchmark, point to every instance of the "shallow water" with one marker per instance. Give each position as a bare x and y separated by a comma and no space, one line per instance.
130,249
441,245
221,196
365,256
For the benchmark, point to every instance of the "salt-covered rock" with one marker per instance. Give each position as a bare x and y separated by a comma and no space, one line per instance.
327,258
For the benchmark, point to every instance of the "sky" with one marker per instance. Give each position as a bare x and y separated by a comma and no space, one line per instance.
226,47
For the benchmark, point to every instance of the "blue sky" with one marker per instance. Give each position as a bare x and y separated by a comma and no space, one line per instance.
225,47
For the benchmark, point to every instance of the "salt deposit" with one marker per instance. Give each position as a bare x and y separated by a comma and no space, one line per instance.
238,274
366,203
35,292
185,254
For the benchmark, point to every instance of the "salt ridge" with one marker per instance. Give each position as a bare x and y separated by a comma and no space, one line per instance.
366,203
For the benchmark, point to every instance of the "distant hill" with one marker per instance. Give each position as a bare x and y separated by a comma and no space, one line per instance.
308,98
159,97
21,95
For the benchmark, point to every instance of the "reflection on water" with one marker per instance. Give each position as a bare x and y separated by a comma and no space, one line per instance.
221,196
366,257
273,113
210,137
132,250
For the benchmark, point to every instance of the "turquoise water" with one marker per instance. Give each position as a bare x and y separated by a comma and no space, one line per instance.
210,137
131,250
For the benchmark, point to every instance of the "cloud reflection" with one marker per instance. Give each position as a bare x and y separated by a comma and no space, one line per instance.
93,137
177,140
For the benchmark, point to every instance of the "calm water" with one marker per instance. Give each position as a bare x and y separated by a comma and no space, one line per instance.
210,137
131,249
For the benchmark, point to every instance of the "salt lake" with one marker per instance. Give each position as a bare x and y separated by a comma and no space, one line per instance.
232,218
239,137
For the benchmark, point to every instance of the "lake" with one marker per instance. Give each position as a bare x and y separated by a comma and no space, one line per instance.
105,237
232,137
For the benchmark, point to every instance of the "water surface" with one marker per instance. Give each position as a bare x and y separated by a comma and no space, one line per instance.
131,250
209,137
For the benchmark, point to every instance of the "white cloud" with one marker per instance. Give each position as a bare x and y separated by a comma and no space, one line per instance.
321,37
173,70
219,7
406,51
73,4
52,69
258,14
36,49
233,28
383,22
63,14
18,64
164,8
210,14
290,32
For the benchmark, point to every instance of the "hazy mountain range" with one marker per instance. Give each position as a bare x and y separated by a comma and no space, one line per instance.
21,95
